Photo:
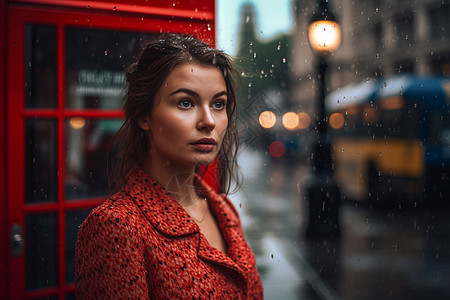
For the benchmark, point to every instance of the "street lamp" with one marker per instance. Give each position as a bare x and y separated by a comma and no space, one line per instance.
324,35
322,192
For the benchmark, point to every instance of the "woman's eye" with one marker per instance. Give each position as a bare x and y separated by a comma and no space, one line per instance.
184,104
219,105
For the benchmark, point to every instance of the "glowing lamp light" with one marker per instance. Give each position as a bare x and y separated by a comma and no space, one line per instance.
77,122
324,36
267,119
290,121
336,121
304,120
391,103
446,69
352,110
370,114
277,149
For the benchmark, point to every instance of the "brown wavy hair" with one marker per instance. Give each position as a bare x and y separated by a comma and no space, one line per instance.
130,146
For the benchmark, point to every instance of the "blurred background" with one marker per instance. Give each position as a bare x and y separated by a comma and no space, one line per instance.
346,152
344,128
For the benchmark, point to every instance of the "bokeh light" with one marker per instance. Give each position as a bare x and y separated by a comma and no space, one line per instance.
277,149
336,120
370,114
290,121
267,119
304,120
352,110
77,122
390,103
324,36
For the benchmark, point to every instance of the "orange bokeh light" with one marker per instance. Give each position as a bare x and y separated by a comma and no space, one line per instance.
336,120
290,121
304,120
324,36
267,119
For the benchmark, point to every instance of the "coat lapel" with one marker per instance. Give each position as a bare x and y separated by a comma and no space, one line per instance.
169,217
238,254
158,206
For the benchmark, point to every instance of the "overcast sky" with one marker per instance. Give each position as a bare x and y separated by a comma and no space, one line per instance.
272,18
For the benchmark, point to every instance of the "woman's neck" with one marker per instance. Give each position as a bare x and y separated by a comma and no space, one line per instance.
177,180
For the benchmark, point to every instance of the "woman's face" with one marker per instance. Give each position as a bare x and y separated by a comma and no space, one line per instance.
189,117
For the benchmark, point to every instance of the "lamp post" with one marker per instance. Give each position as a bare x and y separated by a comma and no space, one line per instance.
322,192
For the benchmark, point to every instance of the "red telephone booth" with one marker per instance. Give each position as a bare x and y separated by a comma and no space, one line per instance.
62,86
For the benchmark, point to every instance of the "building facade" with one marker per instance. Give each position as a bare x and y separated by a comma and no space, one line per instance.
380,38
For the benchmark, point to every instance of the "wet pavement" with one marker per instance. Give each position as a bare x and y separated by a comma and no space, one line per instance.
380,254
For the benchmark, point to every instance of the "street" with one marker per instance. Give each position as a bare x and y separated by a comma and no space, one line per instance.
380,254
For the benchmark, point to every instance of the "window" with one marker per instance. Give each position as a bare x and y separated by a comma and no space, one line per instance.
439,25
404,29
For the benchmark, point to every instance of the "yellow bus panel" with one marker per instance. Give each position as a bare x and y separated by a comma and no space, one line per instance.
401,158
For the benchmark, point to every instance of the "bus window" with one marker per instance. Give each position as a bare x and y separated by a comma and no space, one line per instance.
439,130
399,121
353,121
394,141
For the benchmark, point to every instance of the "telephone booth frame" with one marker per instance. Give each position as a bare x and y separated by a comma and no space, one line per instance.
19,118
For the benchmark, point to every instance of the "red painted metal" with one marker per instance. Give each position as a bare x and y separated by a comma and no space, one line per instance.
68,113
203,29
41,293
60,41
210,174
174,9
53,207
15,146
4,234
193,17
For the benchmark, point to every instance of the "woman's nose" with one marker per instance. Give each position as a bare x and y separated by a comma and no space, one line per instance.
206,119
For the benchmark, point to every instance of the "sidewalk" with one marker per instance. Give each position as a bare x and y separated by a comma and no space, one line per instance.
271,224
381,253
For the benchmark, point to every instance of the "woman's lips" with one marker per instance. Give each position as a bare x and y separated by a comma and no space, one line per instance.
204,144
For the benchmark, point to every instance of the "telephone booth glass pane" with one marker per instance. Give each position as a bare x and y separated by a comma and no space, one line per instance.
95,66
40,66
41,248
74,218
87,145
40,160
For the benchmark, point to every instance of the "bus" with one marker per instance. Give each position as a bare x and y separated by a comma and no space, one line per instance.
391,140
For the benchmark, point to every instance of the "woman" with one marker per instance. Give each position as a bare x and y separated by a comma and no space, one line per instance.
165,234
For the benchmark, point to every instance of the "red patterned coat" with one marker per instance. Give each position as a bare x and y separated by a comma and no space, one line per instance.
141,244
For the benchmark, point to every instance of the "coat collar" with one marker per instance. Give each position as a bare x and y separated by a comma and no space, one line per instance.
158,205
170,218
165,213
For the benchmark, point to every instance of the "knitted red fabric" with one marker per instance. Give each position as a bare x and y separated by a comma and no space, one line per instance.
141,244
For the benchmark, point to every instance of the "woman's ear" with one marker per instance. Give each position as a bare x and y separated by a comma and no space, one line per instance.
145,123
